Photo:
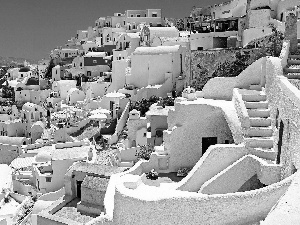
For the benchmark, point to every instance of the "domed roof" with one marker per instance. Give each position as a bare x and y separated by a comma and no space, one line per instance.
24,69
43,157
32,81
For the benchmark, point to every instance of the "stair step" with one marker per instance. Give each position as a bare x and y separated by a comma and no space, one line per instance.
293,62
266,153
260,132
257,105
254,97
256,87
294,56
260,122
293,75
291,70
259,142
259,113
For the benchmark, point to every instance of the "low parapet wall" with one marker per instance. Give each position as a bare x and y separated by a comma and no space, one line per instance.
71,144
177,207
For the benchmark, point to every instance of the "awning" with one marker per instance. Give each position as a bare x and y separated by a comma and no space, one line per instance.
19,163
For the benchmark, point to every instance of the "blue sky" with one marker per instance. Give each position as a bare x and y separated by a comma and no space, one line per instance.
31,28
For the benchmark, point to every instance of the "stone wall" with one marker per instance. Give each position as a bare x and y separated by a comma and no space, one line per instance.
269,45
207,64
219,63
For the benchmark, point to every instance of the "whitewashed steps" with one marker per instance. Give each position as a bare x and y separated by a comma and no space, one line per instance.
291,70
259,113
259,142
254,97
294,61
256,87
266,153
257,105
293,76
294,56
260,122
260,132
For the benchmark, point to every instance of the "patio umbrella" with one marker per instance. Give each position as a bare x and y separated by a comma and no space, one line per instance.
115,95
100,111
98,116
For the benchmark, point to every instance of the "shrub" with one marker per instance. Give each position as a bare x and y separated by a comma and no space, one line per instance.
7,199
144,152
152,175
144,105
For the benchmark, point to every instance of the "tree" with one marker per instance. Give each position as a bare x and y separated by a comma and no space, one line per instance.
48,73
8,92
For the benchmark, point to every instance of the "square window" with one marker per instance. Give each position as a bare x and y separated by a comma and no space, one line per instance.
48,179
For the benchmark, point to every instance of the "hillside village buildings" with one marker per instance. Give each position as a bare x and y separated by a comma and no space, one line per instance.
113,129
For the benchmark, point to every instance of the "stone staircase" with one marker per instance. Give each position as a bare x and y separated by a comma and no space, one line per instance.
259,134
292,70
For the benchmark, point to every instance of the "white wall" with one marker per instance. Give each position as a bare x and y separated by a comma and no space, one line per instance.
255,33
118,75
232,178
187,125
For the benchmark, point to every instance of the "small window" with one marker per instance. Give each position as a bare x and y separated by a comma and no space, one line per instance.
145,134
48,179
131,15
138,15
94,61
154,14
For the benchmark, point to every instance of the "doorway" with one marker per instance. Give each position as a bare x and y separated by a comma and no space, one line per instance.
111,107
208,141
279,145
78,183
